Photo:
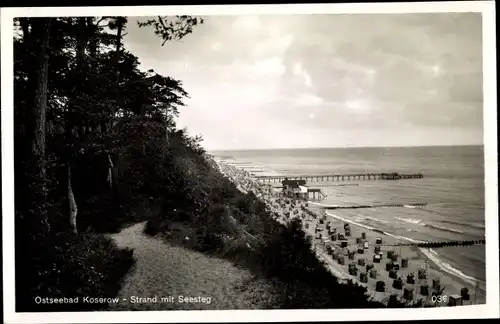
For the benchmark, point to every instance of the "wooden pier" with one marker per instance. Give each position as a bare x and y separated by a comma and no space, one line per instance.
316,193
341,177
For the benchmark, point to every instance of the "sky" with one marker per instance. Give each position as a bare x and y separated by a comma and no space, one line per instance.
295,81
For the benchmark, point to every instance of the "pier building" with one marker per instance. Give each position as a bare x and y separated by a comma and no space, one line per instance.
298,188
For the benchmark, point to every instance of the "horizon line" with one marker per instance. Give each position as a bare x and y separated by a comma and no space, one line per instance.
338,147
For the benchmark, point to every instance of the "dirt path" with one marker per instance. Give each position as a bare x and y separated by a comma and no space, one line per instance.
167,271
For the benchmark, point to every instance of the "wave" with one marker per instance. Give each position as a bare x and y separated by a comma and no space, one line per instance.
419,222
240,164
446,229
411,220
225,157
354,223
374,229
429,253
432,255
256,170
376,219
475,225
321,205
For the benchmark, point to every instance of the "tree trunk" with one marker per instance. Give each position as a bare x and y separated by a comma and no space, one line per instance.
36,122
118,43
110,171
73,209
25,26
92,29
120,24
82,41
71,121
74,124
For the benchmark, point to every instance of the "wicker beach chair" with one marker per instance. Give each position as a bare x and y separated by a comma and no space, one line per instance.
464,292
424,290
397,283
408,293
380,286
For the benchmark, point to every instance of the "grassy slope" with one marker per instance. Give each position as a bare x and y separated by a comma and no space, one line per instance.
283,256
163,269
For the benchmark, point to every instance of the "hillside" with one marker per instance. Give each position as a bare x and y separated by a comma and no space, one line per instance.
164,270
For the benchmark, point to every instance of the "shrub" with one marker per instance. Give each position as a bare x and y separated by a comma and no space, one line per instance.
69,266
154,226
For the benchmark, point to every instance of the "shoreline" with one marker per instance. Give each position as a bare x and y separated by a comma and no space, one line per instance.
451,281
427,252
283,212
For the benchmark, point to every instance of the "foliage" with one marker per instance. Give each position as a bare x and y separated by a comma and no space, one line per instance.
172,28
99,107
68,266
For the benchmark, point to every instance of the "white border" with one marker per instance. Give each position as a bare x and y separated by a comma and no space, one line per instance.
490,310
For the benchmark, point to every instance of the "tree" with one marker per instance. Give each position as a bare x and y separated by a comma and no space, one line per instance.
82,106
36,38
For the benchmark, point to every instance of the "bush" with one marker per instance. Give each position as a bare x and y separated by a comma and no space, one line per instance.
210,242
102,214
69,266
154,226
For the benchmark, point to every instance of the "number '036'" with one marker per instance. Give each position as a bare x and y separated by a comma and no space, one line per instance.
439,299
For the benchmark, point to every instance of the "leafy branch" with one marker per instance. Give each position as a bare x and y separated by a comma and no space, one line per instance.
172,28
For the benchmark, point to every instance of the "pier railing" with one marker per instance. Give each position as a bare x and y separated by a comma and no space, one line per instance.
341,177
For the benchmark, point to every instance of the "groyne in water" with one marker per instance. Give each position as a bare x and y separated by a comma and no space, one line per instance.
325,206
374,206
430,245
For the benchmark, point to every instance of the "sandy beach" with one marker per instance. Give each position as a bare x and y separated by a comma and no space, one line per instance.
359,257
416,260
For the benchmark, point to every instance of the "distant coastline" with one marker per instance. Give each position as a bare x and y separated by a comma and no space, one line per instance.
339,148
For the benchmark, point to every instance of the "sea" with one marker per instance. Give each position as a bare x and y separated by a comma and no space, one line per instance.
452,188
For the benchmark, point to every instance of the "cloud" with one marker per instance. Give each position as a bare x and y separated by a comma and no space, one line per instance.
216,46
332,76
246,23
275,45
298,70
307,99
358,106
268,67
